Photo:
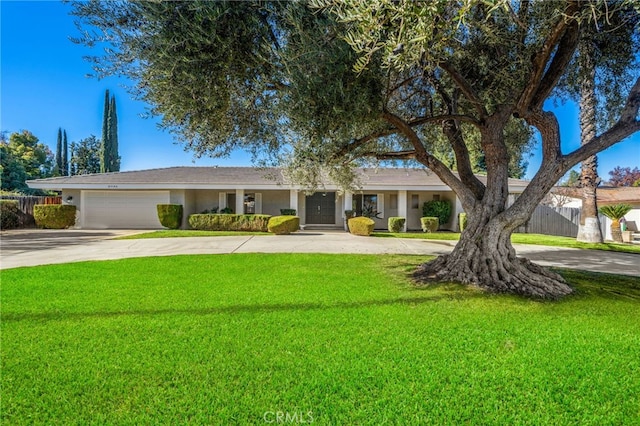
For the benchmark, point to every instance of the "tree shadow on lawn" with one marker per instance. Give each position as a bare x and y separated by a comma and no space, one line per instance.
236,309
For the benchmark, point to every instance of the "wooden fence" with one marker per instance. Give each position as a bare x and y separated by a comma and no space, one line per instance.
26,203
559,221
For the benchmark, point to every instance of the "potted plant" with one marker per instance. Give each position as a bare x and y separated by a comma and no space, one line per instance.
615,212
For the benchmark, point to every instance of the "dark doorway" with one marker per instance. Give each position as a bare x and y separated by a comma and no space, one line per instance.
321,208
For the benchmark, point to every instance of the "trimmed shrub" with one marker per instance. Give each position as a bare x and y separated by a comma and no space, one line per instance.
170,215
429,224
283,225
361,225
288,212
440,209
229,222
462,220
396,224
54,216
9,214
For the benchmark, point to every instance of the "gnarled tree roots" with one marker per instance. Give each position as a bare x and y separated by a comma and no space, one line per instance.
496,274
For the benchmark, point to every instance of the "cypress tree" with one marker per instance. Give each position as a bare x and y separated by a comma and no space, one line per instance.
65,154
109,158
114,158
59,153
104,147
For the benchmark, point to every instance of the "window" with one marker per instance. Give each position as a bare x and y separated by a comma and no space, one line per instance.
393,201
415,201
369,205
249,203
436,197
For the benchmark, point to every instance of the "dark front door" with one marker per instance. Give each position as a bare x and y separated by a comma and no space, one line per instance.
321,208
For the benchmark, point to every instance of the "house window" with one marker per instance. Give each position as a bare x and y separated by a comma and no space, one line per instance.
393,201
249,203
415,201
366,205
436,197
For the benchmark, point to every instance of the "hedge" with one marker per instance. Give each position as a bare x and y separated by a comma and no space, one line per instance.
288,212
440,209
429,224
361,225
170,215
396,224
283,225
54,216
229,222
9,214
462,220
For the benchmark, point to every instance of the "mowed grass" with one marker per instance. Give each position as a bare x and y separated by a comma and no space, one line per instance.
345,339
536,239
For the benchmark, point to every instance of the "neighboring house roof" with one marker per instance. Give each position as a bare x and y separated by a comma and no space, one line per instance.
623,194
188,177
605,195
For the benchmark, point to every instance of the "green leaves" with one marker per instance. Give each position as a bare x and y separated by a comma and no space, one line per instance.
615,211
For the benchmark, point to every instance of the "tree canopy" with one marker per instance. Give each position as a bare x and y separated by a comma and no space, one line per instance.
452,86
24,157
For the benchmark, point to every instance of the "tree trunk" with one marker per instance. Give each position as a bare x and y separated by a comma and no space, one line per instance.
616,231
484,257
589,229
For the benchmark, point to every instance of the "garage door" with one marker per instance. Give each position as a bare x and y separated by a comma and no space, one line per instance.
122,209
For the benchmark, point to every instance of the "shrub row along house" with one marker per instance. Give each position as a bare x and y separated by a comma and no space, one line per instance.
128,199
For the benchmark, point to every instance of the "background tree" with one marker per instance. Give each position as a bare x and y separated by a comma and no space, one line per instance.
59,153
65,154
114,158
85,156
271,76
109,159
607,52
13,173
24,158
624,176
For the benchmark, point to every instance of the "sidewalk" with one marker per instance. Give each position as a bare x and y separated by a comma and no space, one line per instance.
38,247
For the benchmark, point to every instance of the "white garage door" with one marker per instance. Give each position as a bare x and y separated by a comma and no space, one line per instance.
122,209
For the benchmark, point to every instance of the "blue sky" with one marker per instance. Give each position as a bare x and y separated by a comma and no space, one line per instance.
44,86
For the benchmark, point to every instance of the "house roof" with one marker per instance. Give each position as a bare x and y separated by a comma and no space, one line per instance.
605,194
188,177
624,194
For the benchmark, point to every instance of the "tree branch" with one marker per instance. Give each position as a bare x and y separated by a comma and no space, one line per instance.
465,87
541,59
626,125
466,196
561,59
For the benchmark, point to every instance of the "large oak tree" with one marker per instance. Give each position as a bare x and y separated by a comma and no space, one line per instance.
331,83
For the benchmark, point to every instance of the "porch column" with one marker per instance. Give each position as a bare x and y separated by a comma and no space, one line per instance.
348,205
402,208
348,201
456,211
239,201
293,200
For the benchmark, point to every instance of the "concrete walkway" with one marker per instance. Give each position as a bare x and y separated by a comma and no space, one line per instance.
41,247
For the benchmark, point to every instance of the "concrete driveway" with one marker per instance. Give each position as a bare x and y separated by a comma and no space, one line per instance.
40,247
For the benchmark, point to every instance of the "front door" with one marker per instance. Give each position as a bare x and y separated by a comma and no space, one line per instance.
321,208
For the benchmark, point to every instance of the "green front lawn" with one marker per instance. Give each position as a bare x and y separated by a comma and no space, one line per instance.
537,239
345,339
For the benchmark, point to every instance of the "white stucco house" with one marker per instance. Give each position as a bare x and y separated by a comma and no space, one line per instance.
570,197
128,199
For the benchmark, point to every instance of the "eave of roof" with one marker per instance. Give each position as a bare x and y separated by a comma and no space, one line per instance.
243,177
